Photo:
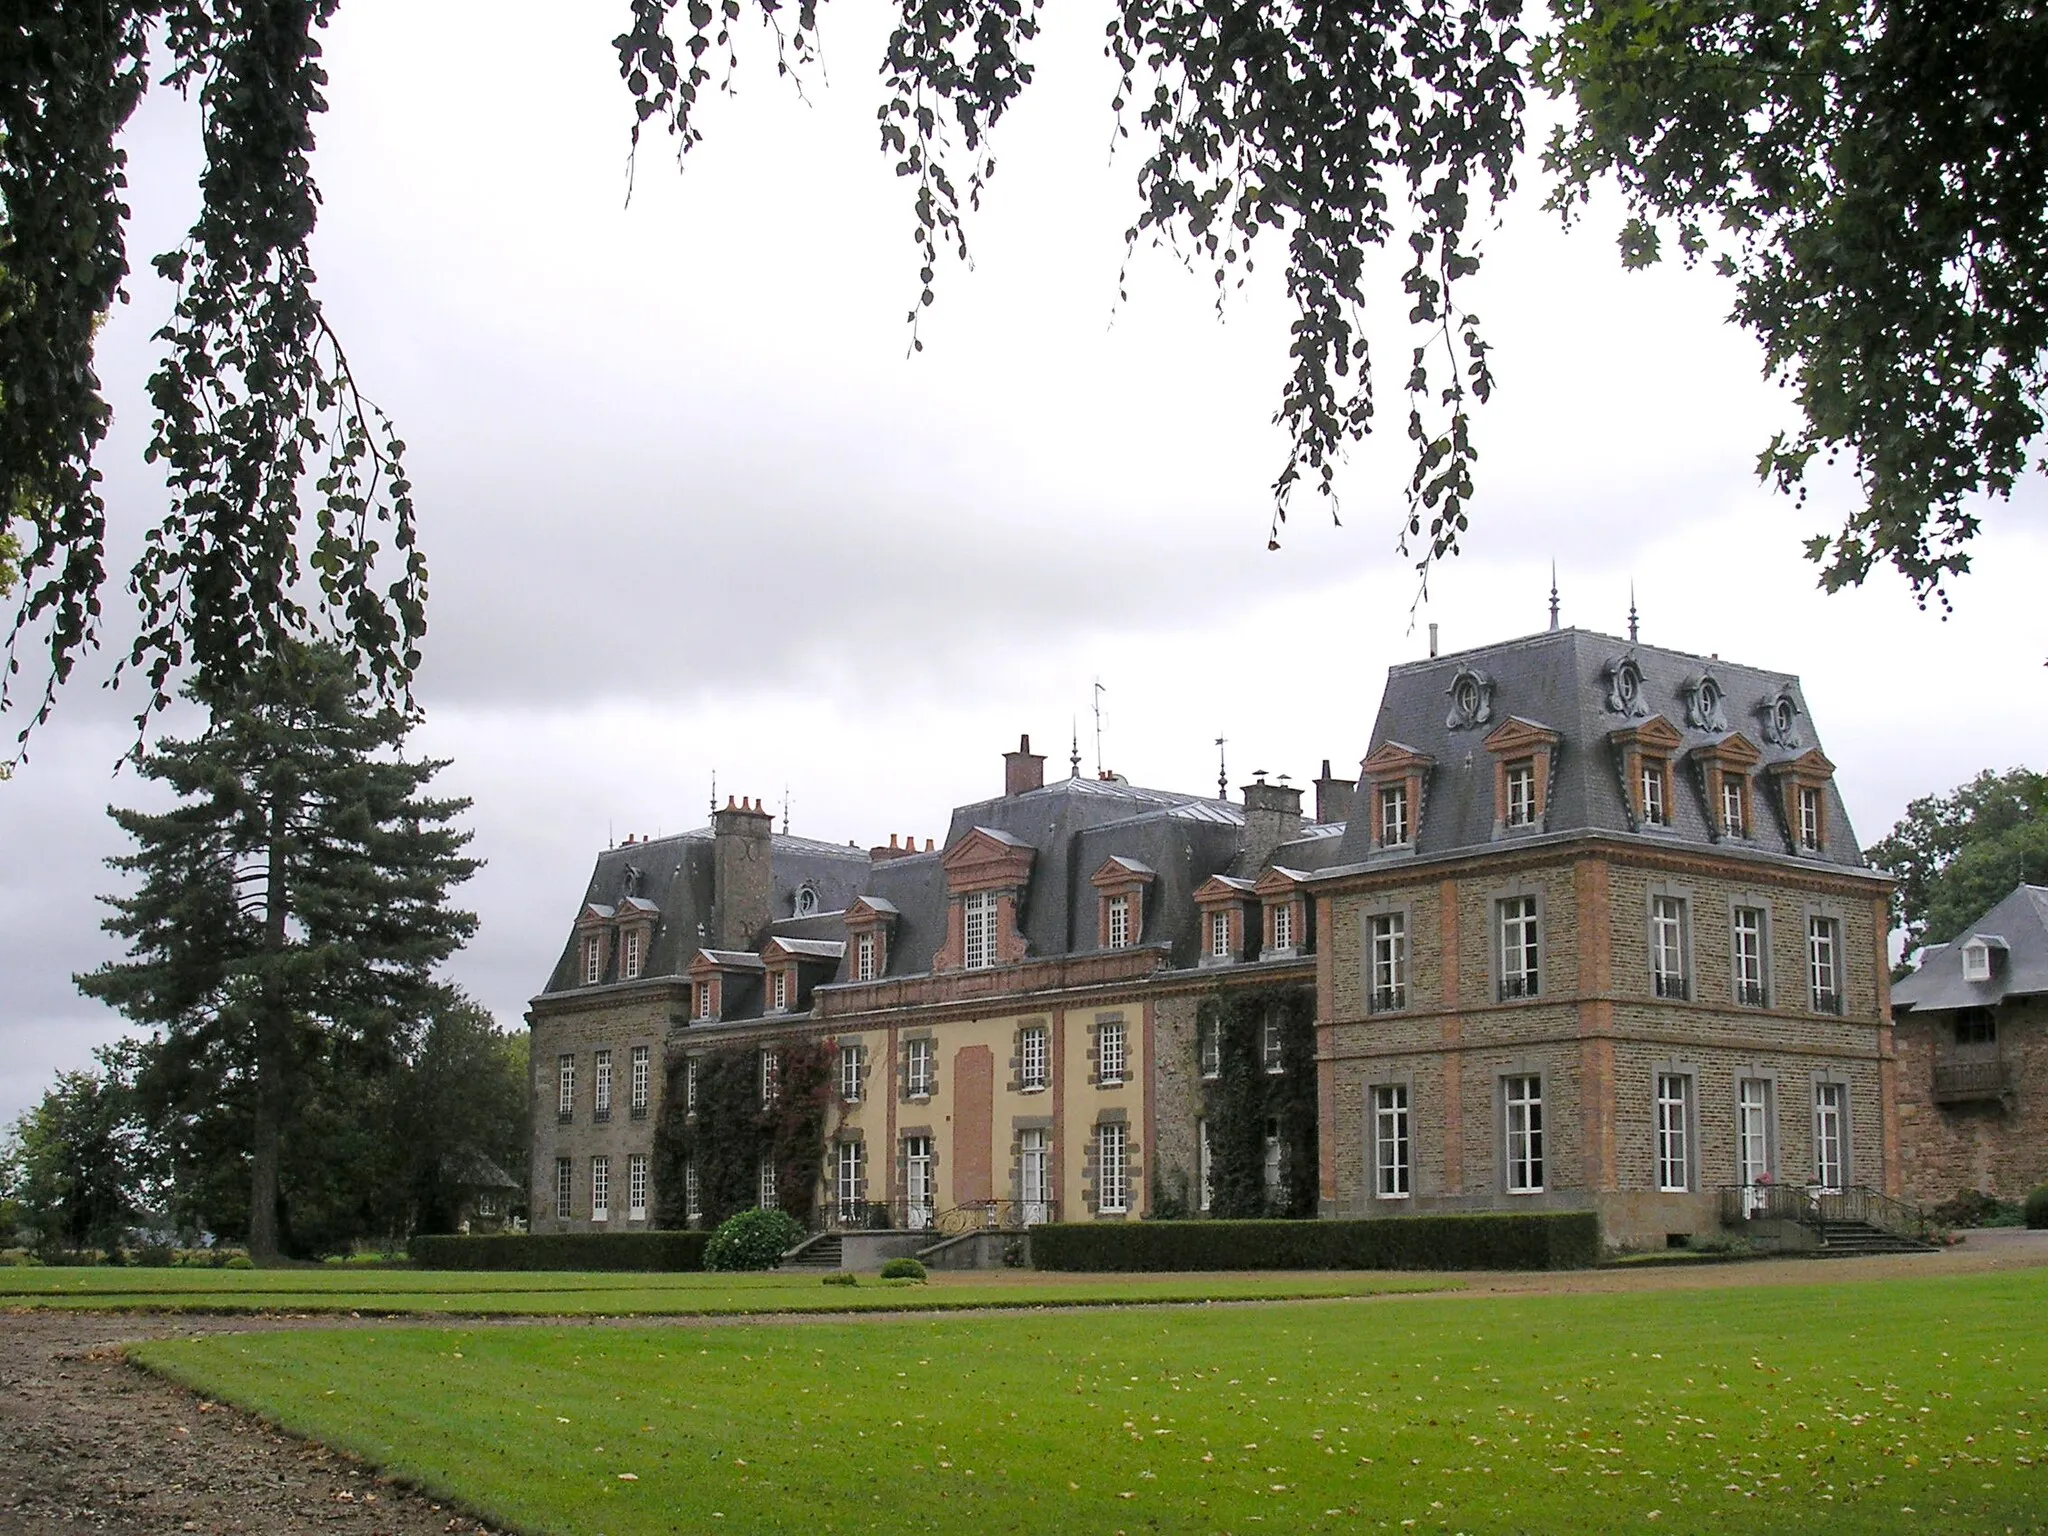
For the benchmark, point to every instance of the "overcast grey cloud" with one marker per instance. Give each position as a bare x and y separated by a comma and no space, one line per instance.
691,509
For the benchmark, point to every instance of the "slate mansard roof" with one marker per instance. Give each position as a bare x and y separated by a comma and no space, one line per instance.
2017,926
1563,680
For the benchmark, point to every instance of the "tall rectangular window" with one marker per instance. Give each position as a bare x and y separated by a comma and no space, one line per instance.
690,1086
1734,807
636,1187
693,1195
1205,1170
642,1078
1390,1155
1219,935
1119,922
1823,946
1270,1170
1524,1102
600,1188
704,1009
781,991
1520,947
1272,1051
1521,807
1031,1057
1752,1133
601,1084
1112,1183
770,1200
565,1086
1283,925
1748,957
565,1187
593,960
1674,1132
849,1072
864,957
771,1074
630,965
917,1071
1209,1046
1830,1136
1109,1051
1389,939
978,938
852,1196
1667,946
1393,815
1034,1175
1656,810
1809,819
919,1187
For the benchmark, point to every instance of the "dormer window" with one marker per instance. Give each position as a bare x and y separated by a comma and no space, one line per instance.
593,960
868,924
806,900
1643,755
1524,756
864,957
1802,786
779,991
1283,926
978,914
1735,806
1393,815
1655,793
707,1003
987,873
1119,922
1981,955
1809,818
1219,935
629,955
1521,794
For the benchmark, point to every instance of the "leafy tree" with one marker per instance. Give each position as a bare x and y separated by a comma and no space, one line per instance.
1956,855
1870,173
462,1109
287,917
77,1166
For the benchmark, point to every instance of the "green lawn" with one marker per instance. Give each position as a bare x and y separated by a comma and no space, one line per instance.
611,1294
1881,1406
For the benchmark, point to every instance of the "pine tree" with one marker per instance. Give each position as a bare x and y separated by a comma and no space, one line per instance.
288,913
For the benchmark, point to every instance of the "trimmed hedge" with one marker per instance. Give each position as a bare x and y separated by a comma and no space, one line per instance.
1536,1240
665,1251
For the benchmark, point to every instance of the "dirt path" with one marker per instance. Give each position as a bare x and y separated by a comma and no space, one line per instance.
91,1443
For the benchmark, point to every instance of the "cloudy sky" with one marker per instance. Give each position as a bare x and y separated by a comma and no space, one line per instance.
691,509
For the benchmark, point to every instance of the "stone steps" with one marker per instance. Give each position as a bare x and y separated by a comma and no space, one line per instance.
1848,1239
825,1253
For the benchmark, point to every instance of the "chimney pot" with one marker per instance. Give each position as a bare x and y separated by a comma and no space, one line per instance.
1432,639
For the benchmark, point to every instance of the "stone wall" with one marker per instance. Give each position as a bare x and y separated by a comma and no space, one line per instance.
639,1018
1995,1146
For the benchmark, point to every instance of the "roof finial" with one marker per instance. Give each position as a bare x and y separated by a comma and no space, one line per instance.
1631,612
785,810
714,791
1553,594
1074,757
1222,773
1099,692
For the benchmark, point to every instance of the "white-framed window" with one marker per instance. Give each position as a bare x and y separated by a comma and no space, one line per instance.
849,1072
978,938
1031,1057
1388,936
1283,925
1219,935
769,1199
1120,922
1523,1097
1830,1136
565,1187
1520,947
1112,1186
1752,1132
636,1187
1656,807
593,960
704,999
1674,1132
1390,1147
850,1187
864,957
771,1074
601,1084
1209,1047
1823,964
1521,779
919,1186
641,1083
600,1188
917,1071
1272,1052
1734,806
1809,818
693,1194
1034,1175
780,987
1667,947
1109,1051
1393,815
565,1086
1205,1169
629,964
1270,1168
1747,955
690,1086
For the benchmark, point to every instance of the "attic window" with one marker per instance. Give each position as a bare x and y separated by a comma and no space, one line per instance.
1521,793
1656,797
1393,815
1809,818
629,966
593,960
1978,961
864,958
806,900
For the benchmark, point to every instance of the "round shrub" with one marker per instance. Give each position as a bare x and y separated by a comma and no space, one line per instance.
903,1269
752,1240
2037,1208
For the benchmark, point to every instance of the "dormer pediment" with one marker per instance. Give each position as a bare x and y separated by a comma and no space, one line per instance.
1395,758
1653,734
1218,889
1119,873
1734,750
987,859
1279,881
781,951
1517,733
867,911
1811,765
718,962
638,907
595,912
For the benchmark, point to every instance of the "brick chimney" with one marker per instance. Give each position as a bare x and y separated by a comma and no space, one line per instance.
1023,769
742,874
1272,814
1334,796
